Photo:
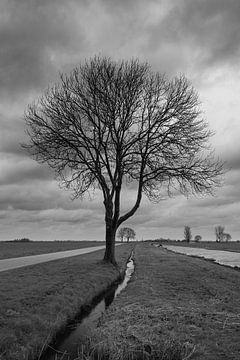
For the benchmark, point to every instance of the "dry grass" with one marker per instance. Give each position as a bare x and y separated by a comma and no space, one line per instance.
175,308
17,249
37,301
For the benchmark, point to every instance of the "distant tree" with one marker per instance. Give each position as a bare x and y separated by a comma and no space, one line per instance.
197,238
109,123
219,231
226,237
187,234
221,235
121,234
129,234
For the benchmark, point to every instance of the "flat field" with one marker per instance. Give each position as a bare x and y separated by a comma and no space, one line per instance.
17,249
211,245
174,308
37,301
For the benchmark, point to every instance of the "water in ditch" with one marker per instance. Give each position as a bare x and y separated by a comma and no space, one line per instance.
227,258
68,347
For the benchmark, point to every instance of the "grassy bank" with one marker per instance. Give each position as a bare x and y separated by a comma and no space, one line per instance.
17,249
37,301
175,307
211,245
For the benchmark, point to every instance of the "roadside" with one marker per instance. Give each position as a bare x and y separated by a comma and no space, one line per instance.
37,301
18,262
175,307
13,249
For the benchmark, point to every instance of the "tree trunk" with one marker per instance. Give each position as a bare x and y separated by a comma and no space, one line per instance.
109,255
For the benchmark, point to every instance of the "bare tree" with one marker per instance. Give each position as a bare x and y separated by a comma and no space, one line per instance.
187,233
219,231
108,122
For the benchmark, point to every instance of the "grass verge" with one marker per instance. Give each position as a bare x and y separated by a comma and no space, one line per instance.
17,249
38,301
174,308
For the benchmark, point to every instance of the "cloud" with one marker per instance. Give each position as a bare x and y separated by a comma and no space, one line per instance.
59,215
40,38
18,170
214,26
34,35
195,34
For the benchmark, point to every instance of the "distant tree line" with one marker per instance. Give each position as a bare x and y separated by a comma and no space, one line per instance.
221,236
20,240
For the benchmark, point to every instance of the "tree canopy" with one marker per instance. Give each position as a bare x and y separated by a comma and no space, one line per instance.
197,238
127,233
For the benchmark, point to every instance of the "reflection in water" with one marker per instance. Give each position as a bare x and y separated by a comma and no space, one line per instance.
68,347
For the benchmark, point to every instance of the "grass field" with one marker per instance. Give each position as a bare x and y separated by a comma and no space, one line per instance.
211,245
17,249
37,301
175,307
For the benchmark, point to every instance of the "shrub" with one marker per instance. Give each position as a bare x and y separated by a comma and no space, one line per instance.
197,238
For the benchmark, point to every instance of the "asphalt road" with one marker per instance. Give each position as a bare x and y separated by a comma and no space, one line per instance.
13,263
228,258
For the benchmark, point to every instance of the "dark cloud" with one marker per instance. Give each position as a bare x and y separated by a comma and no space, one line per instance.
232,158
235,162
214,26
60,215
35,190
194,34
34,35
16,165
12,134
211,27
38,39
23,171
31,197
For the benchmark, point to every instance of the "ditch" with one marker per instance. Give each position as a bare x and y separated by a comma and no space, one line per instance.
71,341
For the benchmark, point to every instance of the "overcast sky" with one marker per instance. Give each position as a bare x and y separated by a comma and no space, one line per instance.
39,39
